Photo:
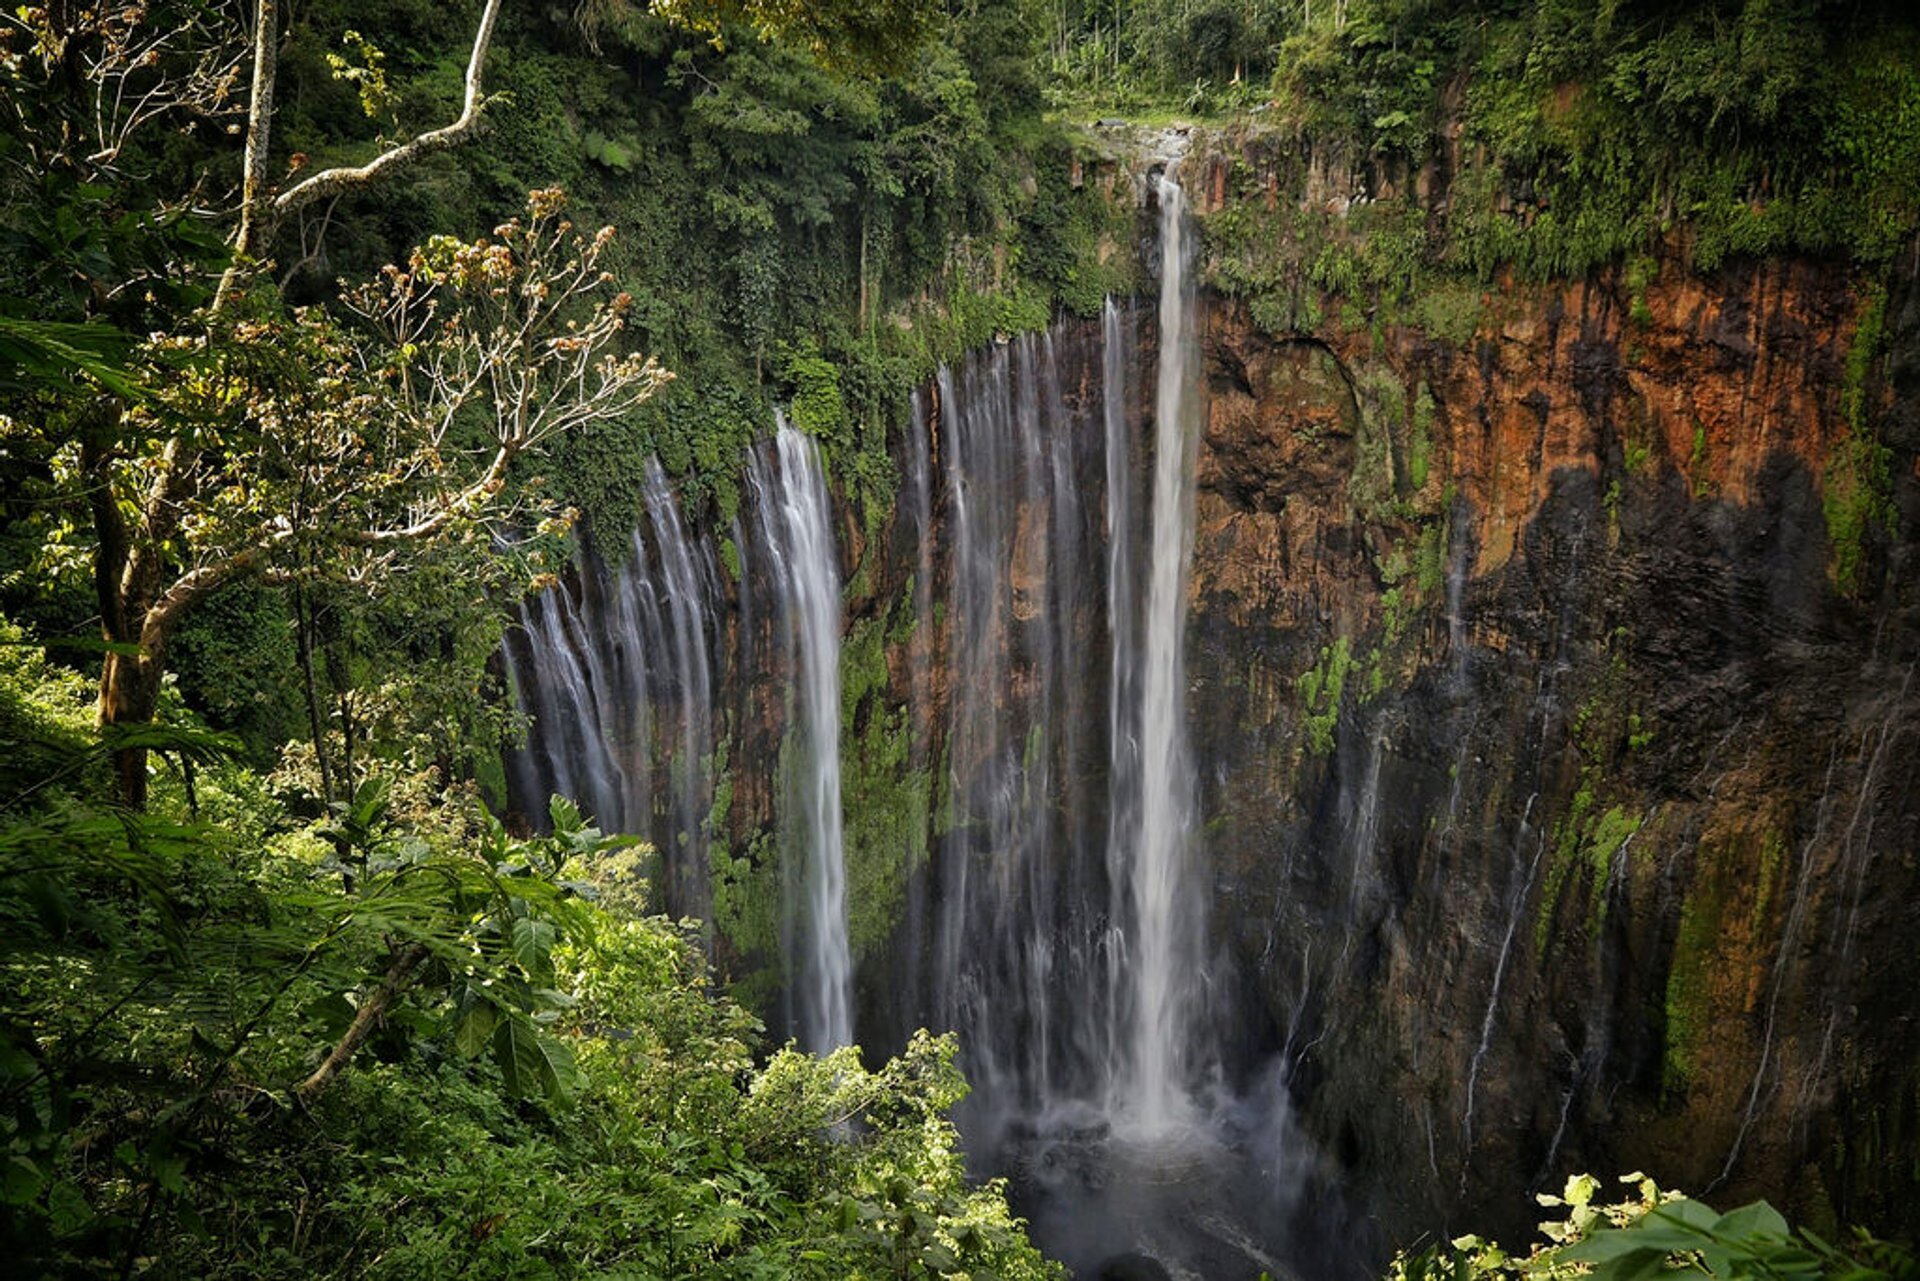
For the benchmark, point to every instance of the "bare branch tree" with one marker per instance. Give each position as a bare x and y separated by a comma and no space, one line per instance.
260,216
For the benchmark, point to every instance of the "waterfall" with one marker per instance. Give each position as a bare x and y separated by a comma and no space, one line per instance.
632,607
799,531
1163,958
1123,558
686,592
1046,521
613,667
1006,962
1017,938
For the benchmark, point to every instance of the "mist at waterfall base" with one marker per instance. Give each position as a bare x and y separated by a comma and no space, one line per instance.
1060,922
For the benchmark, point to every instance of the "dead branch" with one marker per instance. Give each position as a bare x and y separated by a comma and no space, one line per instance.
336,181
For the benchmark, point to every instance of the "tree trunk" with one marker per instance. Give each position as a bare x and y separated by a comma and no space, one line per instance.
257,214
129,681
130,695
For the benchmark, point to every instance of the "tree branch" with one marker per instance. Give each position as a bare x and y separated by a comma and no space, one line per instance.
333,182
197,584
470,499
365,1020
255,211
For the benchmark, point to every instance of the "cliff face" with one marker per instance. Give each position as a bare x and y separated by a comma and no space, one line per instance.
1550,663
1561,801
1552,660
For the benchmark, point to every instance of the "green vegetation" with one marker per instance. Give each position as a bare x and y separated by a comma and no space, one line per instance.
1706,933
800,228
1595,133
1376,479
887,801
1659,1233
279,998
1321,688
395,1042
1859,486
1609,138
1591,835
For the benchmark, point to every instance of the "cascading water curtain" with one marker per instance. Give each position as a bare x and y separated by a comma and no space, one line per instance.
797,521
614,668
1068,922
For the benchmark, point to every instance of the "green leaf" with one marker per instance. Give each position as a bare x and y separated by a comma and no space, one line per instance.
16,1062
168,1170
184,740
67,1208
1613,1245
1580,1189
1695,1215
20,1180
1758,1221
474,1027
531,943
333,1012
565,816
195,1225
48,354
533,1064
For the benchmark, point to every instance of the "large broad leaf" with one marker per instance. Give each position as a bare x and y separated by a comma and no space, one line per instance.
204,745
1641,1251
474,1025
20,1180
67,1208
1758,1221
534,1064
564,815
531,942
1612,1245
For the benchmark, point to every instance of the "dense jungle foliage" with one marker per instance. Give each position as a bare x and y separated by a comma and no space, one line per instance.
278,996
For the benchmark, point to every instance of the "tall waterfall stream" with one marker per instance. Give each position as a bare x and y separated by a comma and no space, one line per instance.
793,501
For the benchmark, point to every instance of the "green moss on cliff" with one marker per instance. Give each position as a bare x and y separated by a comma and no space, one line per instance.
887,803
1321,688
1586,841
1858,489
1420,447
1382,398
1688,1008
747,902
1576,139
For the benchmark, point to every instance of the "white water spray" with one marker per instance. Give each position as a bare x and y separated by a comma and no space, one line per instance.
809,573
1164,959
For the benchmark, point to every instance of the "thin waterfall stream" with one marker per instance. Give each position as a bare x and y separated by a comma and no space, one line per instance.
1162,962
794,504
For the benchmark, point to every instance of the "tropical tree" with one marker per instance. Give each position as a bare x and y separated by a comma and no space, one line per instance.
240,438
235,438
